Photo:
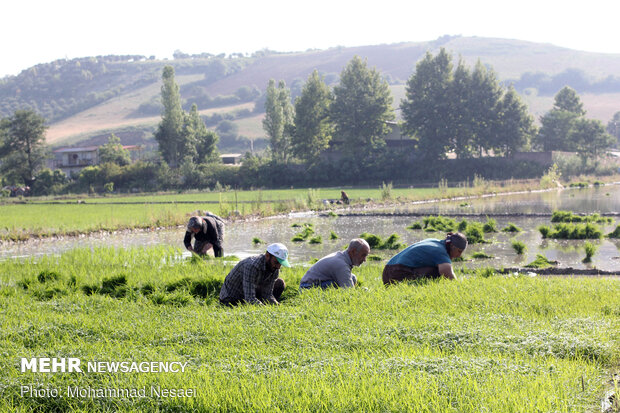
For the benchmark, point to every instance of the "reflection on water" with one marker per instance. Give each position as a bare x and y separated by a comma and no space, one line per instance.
603,199
238,239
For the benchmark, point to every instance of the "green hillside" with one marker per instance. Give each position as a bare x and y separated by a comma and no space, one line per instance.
85,99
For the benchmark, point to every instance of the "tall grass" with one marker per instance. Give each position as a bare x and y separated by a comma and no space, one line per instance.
486,343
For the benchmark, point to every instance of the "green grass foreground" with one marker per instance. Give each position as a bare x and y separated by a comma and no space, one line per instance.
485,343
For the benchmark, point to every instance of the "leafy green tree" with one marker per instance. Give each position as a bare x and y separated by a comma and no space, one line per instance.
49,182
361,107
426,109
515,126
485,98
567,99
461,120
553,133
114,152
173,143
557,123
205,141
589,138
228,131
23,150
278,121
613,127
313,129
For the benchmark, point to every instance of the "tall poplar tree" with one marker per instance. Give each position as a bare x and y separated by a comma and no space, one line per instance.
172,141
278,121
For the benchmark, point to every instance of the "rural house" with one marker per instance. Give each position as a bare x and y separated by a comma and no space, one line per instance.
72,160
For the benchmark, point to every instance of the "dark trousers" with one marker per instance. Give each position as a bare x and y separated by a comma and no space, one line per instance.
218,251
398,272
278,289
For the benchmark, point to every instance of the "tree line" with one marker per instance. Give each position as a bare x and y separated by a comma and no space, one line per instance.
332,135
445,110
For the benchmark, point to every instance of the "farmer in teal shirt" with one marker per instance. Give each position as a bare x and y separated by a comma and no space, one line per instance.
430,258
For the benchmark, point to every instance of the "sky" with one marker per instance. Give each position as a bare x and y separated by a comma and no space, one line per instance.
41,31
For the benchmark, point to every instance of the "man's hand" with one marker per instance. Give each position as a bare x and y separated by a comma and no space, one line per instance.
446,270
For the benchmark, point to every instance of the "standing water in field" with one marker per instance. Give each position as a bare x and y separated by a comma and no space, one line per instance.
527,211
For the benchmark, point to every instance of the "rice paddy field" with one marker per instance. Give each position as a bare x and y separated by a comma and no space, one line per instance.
21,219
488,342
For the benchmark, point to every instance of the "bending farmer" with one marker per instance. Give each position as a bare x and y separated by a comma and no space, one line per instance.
255,279
208,232
430,258
335,269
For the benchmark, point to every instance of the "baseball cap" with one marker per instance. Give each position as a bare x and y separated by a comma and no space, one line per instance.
280,252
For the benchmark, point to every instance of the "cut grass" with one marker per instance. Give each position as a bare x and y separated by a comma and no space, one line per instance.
486,343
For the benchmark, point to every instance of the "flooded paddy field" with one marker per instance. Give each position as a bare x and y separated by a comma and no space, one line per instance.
527,211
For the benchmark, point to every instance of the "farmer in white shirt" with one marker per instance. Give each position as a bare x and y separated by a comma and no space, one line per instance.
334,270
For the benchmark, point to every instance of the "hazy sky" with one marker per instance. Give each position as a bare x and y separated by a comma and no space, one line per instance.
40,31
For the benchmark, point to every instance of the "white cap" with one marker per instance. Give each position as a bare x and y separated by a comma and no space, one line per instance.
280,252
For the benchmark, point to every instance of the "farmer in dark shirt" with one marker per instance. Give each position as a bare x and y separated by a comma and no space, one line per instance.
254,280
208,232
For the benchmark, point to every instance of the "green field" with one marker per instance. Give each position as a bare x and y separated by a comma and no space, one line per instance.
494,343
70,215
